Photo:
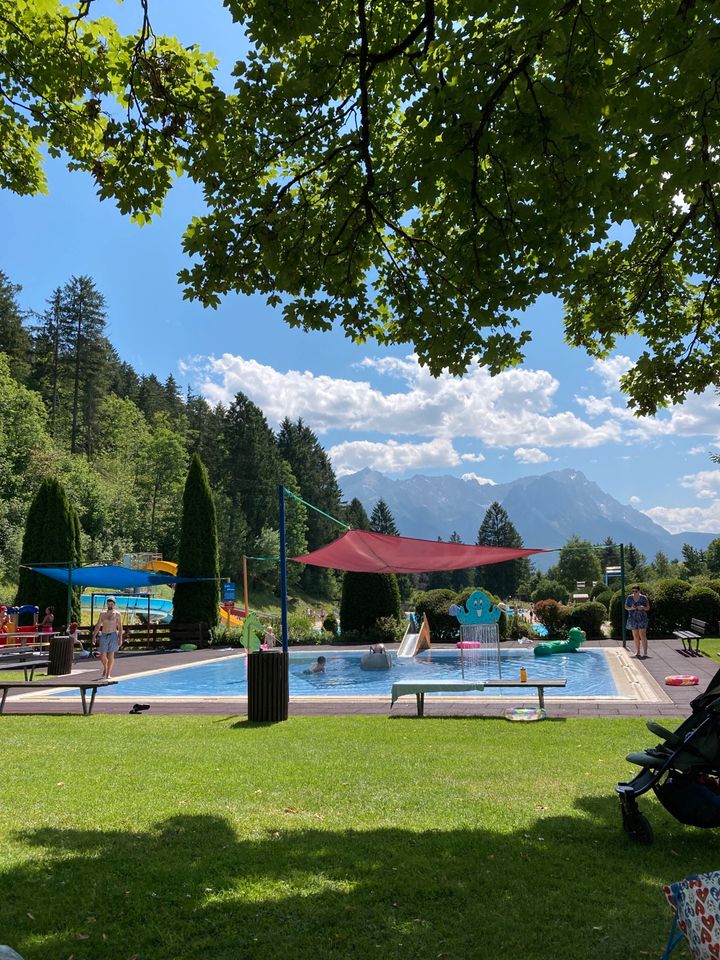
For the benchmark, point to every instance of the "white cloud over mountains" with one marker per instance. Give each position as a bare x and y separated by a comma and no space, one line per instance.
429,419
407,420
501,411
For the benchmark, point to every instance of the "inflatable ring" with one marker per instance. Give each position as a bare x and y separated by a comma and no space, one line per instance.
682,680
469,644
524,713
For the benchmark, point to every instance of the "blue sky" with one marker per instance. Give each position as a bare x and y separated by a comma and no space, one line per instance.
369,406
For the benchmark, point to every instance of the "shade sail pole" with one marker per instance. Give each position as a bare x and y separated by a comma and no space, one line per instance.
283,568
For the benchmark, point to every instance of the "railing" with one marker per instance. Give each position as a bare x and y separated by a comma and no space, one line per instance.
156,636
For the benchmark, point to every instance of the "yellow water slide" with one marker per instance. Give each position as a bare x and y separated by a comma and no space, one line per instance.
167,566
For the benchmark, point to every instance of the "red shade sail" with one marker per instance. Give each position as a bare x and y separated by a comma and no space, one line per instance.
365,552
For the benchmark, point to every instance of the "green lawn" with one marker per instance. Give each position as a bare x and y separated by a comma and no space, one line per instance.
165,838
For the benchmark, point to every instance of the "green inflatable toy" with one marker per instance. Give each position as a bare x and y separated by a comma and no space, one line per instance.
574,639
250,638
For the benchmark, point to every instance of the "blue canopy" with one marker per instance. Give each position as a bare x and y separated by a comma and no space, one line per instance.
112,577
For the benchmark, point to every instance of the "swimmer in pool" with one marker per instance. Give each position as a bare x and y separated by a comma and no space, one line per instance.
318,667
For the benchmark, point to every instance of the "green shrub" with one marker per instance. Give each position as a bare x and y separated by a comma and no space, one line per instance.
599,588
668,606
520,629
552,615
384,630
704,604
589,617
550,590
330,625
444,628
300,627
604,597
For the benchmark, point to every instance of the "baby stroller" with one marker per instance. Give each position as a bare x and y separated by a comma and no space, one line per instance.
683,770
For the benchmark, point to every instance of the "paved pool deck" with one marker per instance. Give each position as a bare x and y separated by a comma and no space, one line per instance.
665,659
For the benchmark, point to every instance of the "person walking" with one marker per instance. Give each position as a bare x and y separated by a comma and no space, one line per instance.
637,606
109,630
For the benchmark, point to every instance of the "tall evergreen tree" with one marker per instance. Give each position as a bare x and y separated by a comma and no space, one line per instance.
497,530
318,485
83,307
367,598
296,525
355,515
198,553
52,535
251,469
14,338
382,520
152,398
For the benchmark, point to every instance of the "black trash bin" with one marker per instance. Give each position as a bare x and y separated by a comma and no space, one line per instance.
268,685
61,656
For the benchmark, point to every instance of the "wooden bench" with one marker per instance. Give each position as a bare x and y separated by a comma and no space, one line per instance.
27,666
696,633
35,685
420,688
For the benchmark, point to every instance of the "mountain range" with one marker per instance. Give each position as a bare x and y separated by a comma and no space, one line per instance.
546,510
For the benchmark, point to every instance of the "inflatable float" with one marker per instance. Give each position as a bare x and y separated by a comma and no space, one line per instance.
525,714
574,639
469,644
376,661
682,680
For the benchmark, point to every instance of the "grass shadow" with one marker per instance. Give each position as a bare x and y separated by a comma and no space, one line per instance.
191,888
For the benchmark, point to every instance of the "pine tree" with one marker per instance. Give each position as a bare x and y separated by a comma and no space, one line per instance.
198,553
14,338
497,530
355,515
83,307
52,536
318,485
251,468
296,525
382,520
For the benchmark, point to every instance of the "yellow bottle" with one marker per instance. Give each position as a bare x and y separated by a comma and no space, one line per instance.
523,675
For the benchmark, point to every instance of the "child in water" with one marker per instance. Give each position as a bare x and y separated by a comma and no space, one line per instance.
318,667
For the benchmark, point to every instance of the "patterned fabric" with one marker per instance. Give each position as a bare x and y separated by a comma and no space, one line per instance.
695,902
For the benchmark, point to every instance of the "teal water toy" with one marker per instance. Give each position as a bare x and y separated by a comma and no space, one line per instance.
573,641
478,608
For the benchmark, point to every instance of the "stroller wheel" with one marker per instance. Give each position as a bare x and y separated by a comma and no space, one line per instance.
637,826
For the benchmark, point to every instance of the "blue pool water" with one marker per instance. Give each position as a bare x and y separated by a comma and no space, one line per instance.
587,673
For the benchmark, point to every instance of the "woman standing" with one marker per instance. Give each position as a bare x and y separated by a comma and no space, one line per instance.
637,606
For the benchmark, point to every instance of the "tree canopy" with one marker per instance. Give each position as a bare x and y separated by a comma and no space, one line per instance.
418,172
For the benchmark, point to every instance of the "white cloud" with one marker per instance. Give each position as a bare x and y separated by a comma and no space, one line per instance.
392,457
531,455
611,369
501,411
706,483
634,501
483,481
472,457
687,519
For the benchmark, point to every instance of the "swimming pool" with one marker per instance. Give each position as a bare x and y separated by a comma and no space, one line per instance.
588,674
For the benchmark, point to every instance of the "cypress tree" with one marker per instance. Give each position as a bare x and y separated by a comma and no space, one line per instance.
52,535
367,598
198,554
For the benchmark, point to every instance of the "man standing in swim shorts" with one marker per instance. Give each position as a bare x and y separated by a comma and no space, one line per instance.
109,629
